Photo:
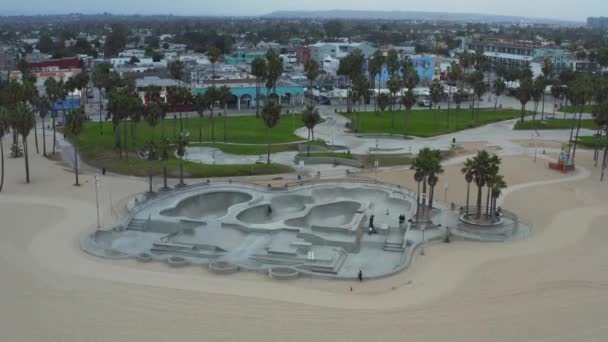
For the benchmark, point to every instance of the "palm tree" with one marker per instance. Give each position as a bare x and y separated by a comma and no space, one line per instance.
212,95
176,70
557,92
581,94
498,184
408,100
24,119
427,164
537,94
258,69
214,55
499,88
274,70
547,70
468,178
73,124
492,172
394,85
101,75
310,118
418,177
30,97
524,93
311,70
225,95
271,113
600,116
4,127
152,115
164,148
436,90
392,62
376,64
181,143
53,93
154,101
201,104
478,168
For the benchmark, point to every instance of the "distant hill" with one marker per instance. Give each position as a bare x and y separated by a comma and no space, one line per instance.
417,15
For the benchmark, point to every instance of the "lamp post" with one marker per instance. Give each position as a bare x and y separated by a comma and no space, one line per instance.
97,199
422,246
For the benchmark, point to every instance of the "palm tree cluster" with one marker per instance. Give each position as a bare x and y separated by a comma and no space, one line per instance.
17,117
427,167
483,169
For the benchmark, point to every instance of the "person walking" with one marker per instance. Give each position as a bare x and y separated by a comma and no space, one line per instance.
360,276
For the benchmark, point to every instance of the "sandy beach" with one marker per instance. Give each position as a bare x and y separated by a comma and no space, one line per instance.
551,287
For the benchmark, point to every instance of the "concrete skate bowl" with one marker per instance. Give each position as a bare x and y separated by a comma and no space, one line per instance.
279,208
329,194
336,214
207,205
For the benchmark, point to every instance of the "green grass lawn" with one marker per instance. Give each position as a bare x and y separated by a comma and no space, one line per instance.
98,150
554,124
589,141
427,123
576,109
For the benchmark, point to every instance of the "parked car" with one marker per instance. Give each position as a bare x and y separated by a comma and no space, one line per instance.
424,103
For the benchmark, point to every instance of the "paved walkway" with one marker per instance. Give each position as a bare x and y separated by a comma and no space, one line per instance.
500,134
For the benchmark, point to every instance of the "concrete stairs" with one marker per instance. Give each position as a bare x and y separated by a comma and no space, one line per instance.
138,224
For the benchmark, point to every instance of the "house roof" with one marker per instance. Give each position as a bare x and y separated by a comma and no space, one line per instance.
64,63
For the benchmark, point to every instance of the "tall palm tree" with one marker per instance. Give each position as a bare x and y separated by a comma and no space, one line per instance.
4,127
537,94
274,70
152,114
24,124
312,71
468,178
524,93
164,148
498,184
101,76
310,118
154,101
258,69
454,74
581,95
408,100
547,70
212,95
201,104
376,64
225,95
53,93
600,116
492,172
498,88
428,165
418,177
271,113
73,124
478,168
557,93
214,55
394,85
181,143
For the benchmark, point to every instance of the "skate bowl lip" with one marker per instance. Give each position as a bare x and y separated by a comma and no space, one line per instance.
283,273
183,202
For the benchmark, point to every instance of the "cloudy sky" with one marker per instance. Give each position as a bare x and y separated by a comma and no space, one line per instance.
572,10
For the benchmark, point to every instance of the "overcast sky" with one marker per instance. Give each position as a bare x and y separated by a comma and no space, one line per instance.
572,10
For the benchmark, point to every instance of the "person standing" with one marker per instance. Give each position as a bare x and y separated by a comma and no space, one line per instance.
360,276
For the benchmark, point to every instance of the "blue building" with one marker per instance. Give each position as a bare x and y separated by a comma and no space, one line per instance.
245,93
424,65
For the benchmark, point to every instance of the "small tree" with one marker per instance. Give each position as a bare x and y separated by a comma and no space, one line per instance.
383,101
73,124
24,123
271,113
310,118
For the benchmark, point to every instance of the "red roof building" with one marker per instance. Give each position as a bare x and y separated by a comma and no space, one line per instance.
56,64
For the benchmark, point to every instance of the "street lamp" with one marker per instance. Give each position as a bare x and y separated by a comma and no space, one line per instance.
97,199
422,246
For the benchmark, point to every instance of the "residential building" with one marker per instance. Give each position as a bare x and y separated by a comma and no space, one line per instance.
59,69
597,22
319,51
